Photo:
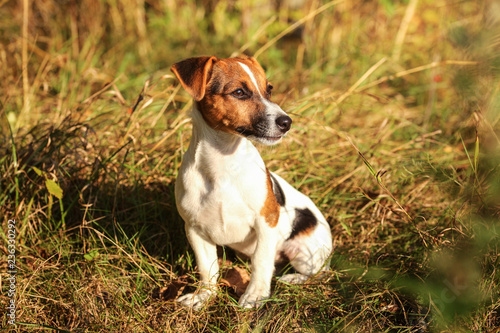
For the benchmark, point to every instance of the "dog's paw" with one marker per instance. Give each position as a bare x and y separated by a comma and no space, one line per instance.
294,278
251,301
253,298
195,300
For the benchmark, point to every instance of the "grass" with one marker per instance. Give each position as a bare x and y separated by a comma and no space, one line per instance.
395,137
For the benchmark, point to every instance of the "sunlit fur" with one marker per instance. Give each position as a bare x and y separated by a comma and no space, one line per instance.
224,192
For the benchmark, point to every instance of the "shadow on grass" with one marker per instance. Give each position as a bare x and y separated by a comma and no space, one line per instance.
119,209
101,187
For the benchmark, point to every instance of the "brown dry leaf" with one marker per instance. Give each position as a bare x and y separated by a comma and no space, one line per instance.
393,308
236,278
172,290
224,263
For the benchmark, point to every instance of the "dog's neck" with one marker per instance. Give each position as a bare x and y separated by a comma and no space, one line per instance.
209,145
222,142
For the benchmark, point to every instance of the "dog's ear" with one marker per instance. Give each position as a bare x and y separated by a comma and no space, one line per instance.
194,74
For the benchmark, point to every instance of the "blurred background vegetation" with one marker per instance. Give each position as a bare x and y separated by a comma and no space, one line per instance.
396,113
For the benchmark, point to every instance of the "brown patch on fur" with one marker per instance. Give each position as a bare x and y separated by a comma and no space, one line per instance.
194,73
211,82
304,224
271,209
257,71
306,232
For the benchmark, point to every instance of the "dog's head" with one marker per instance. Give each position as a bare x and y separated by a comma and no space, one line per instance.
234,96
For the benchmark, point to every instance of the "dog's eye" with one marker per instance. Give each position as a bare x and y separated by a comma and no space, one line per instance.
269,89
238,93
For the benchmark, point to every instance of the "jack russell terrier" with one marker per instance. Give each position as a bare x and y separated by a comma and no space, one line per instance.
224,192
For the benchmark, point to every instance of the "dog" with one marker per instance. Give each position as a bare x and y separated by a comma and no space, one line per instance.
224,192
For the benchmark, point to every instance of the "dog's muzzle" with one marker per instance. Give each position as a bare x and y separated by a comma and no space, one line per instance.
284,123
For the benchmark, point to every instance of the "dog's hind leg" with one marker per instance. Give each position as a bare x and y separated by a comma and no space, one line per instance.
308,254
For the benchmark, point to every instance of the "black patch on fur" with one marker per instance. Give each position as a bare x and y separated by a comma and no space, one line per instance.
215,87
258,127
278,191
304,220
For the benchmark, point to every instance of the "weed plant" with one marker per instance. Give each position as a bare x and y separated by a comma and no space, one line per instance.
395,108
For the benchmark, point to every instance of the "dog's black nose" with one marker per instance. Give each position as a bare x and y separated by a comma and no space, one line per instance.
284,123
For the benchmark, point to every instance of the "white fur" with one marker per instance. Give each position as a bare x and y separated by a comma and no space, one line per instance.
220,191
273,110
252,77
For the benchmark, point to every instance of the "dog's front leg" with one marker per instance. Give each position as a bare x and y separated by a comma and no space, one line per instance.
262,266
206,258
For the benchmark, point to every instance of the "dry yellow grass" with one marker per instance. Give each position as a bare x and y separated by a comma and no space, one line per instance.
88,104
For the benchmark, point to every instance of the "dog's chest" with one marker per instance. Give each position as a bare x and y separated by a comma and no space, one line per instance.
222,196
